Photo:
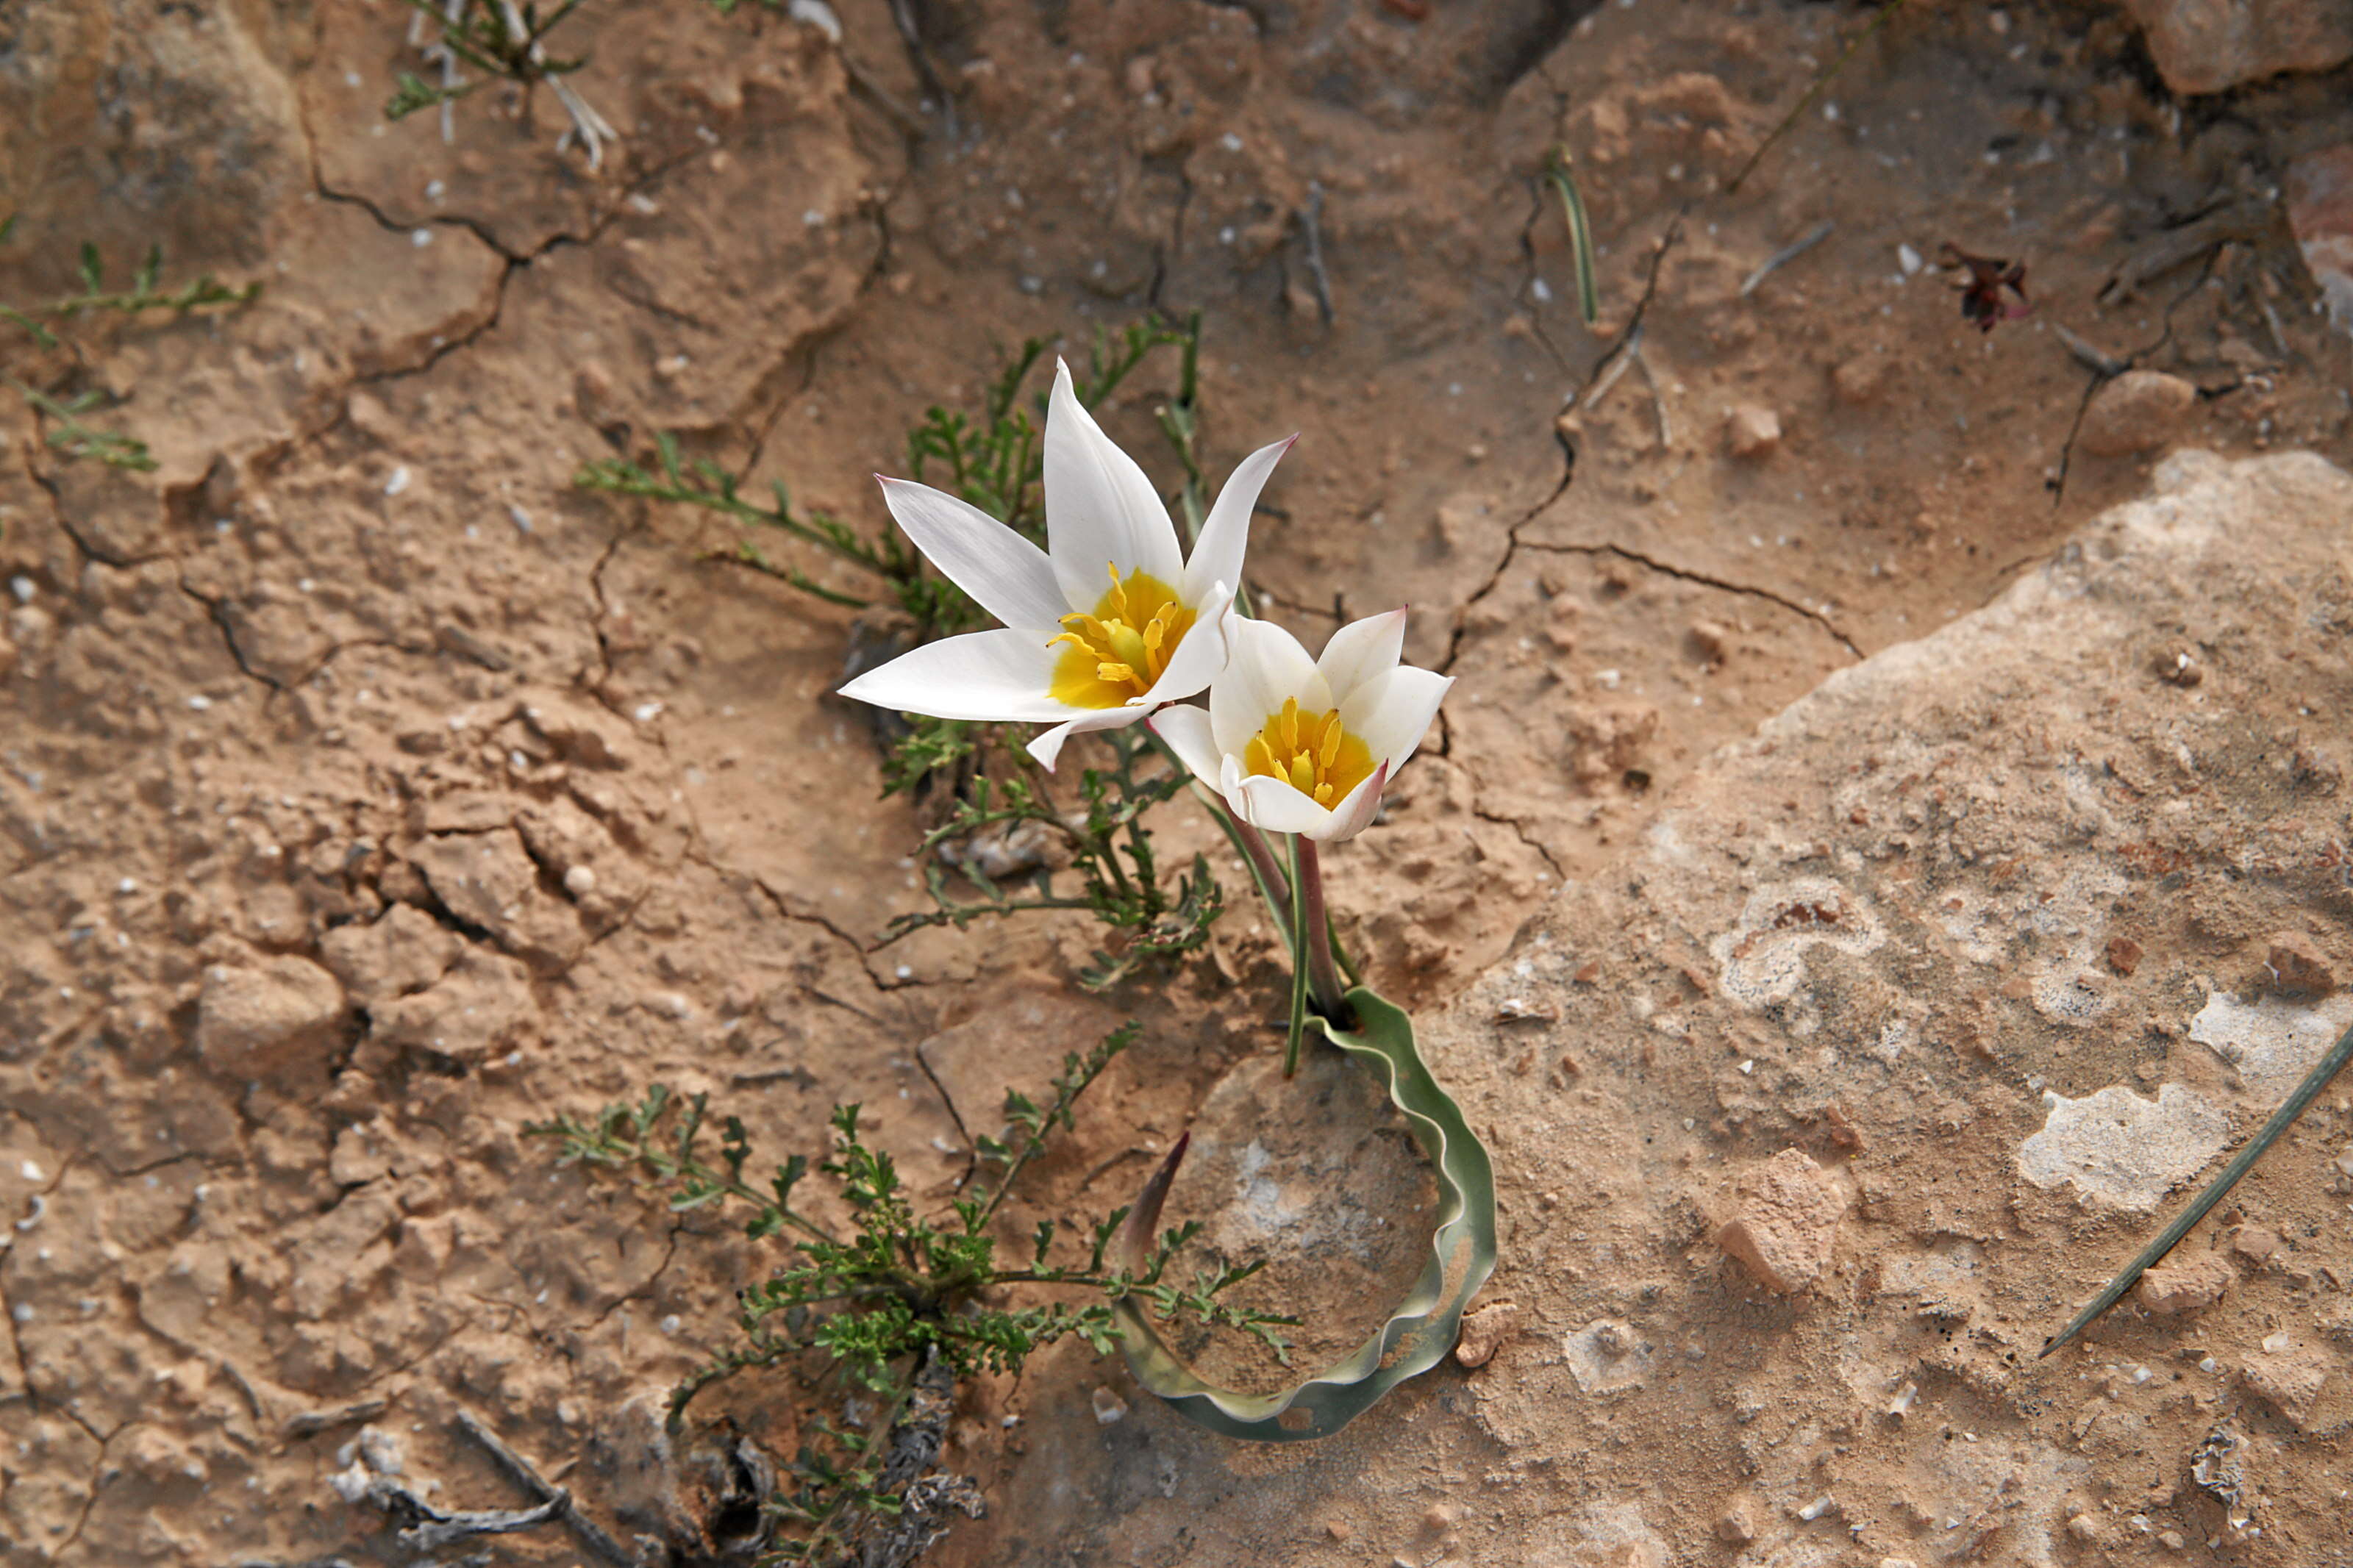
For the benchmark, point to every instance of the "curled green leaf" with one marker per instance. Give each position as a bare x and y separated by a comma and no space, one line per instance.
1423,1327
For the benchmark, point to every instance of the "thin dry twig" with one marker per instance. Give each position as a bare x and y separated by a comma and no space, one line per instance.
557,1501
1785,255
1310,220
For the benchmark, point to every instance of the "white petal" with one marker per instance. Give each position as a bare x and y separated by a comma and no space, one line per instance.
1218,554
1005,573
1204,653
1268,665
1230,779
1362,650
1187,730
1099,506
1048,747
1271,805
1002,674
1357,809
1392,712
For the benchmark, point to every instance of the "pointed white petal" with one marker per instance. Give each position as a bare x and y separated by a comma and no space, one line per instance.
1356,810
1187,730
1048,747
1268,665
1099,506
1002,674
1204,653
1391,712
1005,573
1218,554
1362,650
1271,805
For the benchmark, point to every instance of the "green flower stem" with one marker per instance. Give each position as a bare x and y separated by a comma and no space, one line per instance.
1299,940
1320,974
1263,865
2328,1067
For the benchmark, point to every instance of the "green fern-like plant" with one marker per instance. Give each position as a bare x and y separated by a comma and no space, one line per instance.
878,1293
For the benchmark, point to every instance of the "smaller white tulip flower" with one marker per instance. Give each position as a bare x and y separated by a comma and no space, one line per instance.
1306,746
1076,651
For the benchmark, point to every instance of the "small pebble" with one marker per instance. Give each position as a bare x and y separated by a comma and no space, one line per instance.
1751,431
1109,1407
2139,411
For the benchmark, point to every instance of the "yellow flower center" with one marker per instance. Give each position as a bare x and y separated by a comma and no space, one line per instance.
1309,751
1117,653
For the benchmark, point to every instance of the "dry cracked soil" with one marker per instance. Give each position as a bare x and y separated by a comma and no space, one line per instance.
1886,843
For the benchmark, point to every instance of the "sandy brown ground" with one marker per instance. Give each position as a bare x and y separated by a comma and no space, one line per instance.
326,717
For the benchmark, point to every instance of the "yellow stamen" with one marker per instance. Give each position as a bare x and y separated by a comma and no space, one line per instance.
1312,753
1118,653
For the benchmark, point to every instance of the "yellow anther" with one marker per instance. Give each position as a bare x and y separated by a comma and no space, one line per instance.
1312,753
1117,654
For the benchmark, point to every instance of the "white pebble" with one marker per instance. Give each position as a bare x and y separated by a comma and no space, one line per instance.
398,483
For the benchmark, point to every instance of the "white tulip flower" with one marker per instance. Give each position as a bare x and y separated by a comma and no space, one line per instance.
1306,746
1074,653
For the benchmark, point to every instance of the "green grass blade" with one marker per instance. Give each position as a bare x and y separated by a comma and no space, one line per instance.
1580,237
1423,1327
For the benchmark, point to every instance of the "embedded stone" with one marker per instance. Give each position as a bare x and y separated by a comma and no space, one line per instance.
2188,1282
2139,411
1787,1223
268,1016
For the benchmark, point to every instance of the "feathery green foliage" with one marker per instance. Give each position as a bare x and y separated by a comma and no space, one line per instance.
879,1290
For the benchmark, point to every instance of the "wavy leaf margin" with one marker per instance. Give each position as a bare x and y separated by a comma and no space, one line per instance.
1425,1324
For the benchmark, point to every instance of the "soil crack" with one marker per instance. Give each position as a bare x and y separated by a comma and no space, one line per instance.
1725,584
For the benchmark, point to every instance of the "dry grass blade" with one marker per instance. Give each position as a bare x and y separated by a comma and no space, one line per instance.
2326,1068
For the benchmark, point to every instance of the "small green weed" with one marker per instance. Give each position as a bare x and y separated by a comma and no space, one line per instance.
145,294
504,40
889,1296
76,439
1016,821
